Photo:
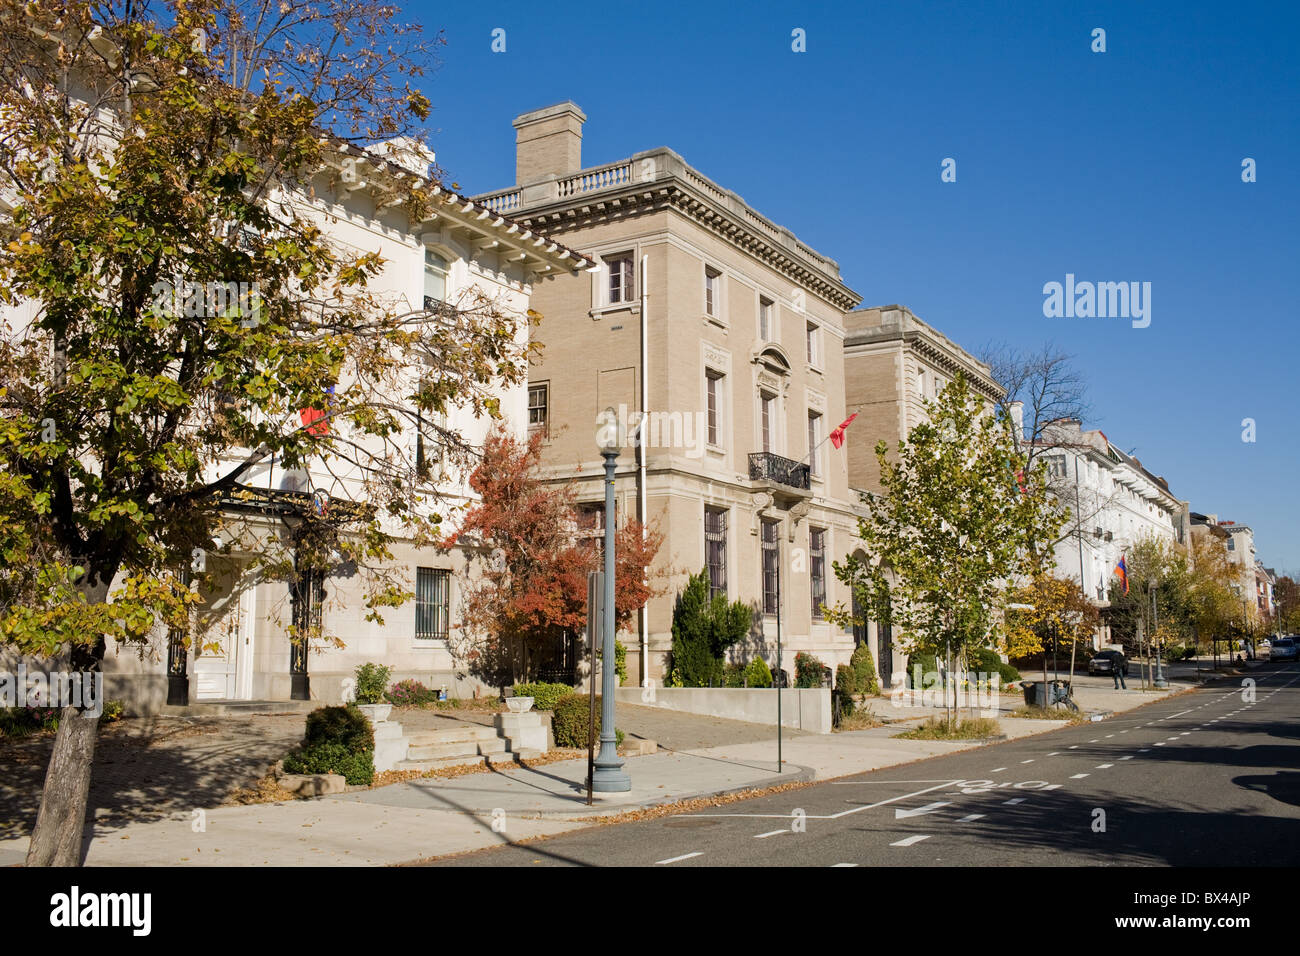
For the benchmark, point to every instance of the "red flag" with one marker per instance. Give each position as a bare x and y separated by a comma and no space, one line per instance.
837,436
315,420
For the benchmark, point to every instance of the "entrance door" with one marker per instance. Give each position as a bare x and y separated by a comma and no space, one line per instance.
223,645
885,648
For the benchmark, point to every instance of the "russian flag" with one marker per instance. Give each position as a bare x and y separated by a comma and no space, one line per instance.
1121,569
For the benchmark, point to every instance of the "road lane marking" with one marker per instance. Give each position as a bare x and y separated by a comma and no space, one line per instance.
1103,766
1053,753
1014,800
831,816
678,859
834,865
1160,743
1129,757
1078,776
901,813
912,839
997,769
1052,786
769,833
1030,760
1145,750
971,818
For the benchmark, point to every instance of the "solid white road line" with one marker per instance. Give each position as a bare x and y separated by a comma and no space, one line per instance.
676,859
912,839
900,813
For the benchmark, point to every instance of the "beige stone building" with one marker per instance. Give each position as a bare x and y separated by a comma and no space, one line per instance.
893,363
728,332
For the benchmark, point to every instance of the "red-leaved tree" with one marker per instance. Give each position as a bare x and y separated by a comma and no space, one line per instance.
532,560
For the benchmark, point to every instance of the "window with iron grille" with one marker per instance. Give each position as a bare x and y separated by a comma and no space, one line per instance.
432,603
817,569
771,567
715,550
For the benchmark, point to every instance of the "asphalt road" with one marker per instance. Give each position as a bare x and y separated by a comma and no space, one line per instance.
1207,778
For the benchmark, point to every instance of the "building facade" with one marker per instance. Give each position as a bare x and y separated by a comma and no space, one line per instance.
720,336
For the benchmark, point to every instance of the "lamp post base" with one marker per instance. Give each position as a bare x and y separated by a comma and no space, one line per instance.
609,775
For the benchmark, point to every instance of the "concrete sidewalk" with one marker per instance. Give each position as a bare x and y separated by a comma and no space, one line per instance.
438,816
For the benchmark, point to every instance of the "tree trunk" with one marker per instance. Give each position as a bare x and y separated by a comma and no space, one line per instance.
60,822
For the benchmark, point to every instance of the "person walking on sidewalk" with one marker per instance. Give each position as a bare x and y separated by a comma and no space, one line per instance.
1117,671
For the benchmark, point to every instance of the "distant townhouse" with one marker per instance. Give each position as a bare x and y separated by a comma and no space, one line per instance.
893,363
727,332
1114,503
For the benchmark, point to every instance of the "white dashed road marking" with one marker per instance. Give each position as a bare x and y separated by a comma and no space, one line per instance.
677,859
971,817
912,839
1078,776
769,833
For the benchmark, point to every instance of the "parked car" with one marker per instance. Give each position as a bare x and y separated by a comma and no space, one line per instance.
1283,649
1105,662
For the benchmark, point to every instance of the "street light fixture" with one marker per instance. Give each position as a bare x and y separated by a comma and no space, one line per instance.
609,775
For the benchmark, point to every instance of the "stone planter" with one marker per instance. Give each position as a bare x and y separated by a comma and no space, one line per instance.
519,705
376,713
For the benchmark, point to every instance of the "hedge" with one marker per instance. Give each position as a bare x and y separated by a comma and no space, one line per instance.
571,718
544,695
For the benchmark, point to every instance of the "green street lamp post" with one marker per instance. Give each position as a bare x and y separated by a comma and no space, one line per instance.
609,775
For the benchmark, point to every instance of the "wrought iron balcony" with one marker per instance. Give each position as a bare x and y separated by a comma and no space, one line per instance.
764,466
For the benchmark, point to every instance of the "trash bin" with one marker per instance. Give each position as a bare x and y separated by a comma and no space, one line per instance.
1035,694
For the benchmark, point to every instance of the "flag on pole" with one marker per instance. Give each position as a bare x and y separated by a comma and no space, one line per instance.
837,436
1121,570
316,420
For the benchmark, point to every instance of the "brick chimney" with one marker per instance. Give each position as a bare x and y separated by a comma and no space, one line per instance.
548,142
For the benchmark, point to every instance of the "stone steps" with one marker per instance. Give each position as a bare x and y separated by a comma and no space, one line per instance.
456,748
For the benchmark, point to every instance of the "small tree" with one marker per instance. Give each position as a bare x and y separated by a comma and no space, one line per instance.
703,629
1060,612
957,519
532,567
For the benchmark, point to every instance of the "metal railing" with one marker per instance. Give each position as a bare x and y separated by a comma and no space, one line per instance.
784,471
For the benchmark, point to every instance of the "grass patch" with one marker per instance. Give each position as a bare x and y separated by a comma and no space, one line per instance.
938,728
861,719
1049,713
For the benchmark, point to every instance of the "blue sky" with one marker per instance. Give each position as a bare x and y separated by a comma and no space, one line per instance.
1115,166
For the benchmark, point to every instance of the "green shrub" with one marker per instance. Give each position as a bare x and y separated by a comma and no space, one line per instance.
346,726
372,681
758,674
113,710
544,695
357,767
988,661
703,629
410,693
864,666
571,718
807,670
846,680
733,675
21,721
925,660
620,662
337,740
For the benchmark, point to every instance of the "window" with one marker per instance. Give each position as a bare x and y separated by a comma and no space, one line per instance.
432,602
713,387
920,382
715,550
814,352
771,567
620,279
435,279
765,319
1232,544
766,404
1056,467
814,443
817,569
538,408
712,292
591,526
